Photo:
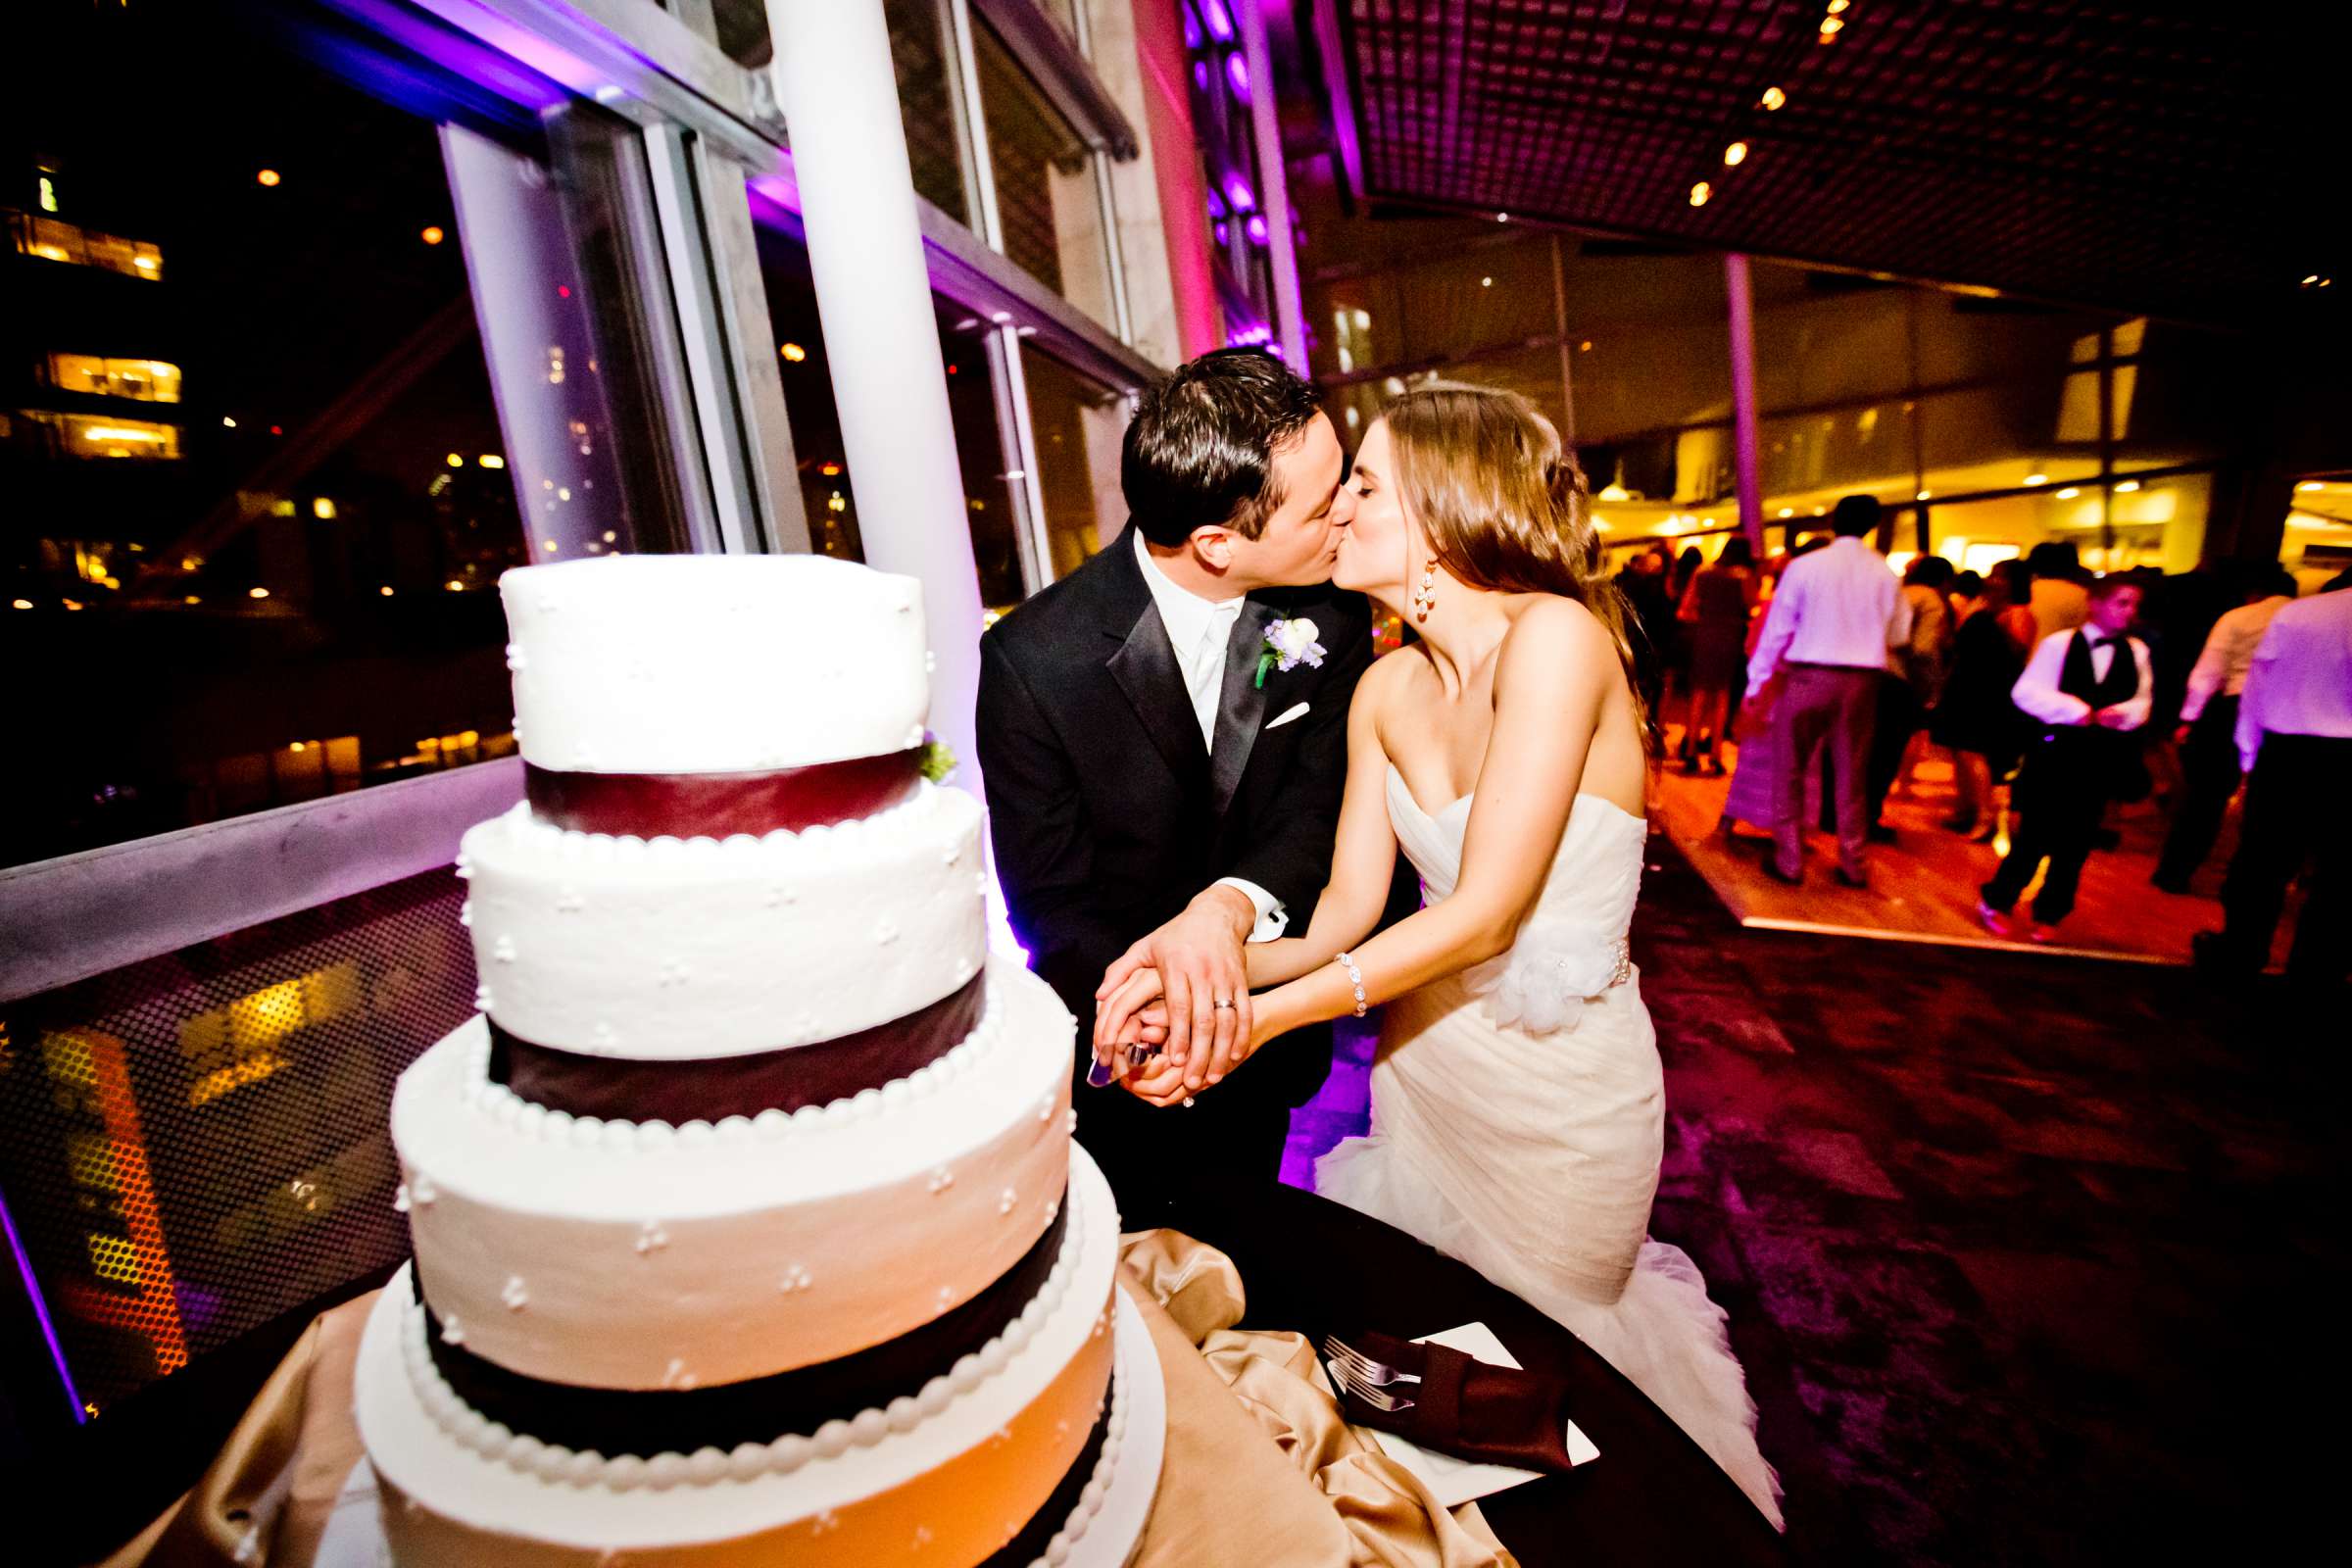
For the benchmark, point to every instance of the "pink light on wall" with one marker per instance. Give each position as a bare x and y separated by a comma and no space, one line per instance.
1255,228
1237,71
1239,193
1220,20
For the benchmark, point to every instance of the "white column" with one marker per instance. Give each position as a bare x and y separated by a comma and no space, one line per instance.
840,98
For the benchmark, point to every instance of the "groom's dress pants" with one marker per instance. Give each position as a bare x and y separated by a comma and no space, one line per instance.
1833,707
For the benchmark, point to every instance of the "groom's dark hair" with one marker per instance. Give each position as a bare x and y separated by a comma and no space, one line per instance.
1201,447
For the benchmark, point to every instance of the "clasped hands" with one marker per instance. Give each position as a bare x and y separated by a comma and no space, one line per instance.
1184,988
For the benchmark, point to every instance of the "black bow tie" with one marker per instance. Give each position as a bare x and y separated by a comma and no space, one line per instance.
2097,641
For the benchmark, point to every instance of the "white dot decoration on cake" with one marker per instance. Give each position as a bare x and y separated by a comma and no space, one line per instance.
481,996
796,1278
570,900
651,1237
1006,1200
515,1294
422,1191
400,1198
502,950
941,1180
453,1332
675,1376
466,912
886,931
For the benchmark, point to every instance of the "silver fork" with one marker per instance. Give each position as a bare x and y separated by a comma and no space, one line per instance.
1379,1398
1378,1374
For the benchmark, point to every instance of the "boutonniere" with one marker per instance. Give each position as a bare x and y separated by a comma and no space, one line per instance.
1290,643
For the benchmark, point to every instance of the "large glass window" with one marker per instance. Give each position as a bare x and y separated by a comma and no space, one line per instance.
827,491
258,496
1078,426
1047,203
927,102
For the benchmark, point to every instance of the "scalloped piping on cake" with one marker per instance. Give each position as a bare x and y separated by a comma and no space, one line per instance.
523,1453
509,1109
847,834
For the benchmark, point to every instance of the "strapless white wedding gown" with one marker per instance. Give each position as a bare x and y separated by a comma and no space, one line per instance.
1518,1118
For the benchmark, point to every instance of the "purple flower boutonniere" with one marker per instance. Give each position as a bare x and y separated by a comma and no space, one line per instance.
1290,643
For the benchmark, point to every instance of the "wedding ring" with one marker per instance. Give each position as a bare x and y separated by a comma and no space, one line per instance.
1222,1002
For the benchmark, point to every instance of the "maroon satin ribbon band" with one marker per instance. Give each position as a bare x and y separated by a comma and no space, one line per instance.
713,1088
720,805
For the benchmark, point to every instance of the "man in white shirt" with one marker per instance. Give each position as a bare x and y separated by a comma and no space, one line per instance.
2093,699
2208,731
1836,618
2294,733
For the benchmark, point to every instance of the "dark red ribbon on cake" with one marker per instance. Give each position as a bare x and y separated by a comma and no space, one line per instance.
713,1088
720,805
649,1421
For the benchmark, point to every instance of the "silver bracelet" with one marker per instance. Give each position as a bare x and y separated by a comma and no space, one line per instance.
1355,977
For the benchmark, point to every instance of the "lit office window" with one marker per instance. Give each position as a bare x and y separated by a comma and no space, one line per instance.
143,381
86,435
51,240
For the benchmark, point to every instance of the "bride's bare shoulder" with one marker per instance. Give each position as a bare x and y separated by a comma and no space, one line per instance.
1553,638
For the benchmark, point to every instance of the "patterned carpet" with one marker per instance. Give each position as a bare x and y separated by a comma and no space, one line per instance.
2028,1260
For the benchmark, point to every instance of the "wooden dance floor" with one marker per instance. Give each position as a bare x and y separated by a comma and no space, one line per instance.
1923,888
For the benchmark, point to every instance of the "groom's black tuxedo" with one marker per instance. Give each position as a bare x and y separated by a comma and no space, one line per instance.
1109,815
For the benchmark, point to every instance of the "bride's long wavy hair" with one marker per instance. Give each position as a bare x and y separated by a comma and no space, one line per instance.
1501,498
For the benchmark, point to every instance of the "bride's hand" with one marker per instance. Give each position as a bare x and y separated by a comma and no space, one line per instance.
1121,1016
1160,1083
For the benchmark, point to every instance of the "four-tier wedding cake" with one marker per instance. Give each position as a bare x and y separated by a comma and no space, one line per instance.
747,1224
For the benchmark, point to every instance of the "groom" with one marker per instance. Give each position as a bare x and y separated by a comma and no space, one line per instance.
1155,780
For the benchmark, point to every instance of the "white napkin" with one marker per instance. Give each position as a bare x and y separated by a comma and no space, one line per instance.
1454,1481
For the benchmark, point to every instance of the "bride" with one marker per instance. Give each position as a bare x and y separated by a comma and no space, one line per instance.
1517,1099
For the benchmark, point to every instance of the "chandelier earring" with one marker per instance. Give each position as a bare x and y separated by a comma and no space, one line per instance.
1425,596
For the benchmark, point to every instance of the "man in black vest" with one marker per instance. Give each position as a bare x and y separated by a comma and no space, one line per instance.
2091,687
1153,770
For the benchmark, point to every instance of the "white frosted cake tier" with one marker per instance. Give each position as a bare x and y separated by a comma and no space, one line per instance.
713,663
658,948
637,1255
945,1478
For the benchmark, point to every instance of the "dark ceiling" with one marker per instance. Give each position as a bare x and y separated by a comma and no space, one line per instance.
2182,160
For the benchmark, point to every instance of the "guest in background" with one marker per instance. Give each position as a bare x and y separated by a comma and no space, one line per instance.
1966,595
1714,616
1914,683
1837,614
1643,584
2207,735
1975,719
2294,737
1755,793
2091,688
2061,599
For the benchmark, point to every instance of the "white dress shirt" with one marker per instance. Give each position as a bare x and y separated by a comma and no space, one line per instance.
2300,682
1841,604
1200,631
2220,669
2036,691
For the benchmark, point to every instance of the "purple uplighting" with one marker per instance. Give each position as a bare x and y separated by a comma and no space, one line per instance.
40,1310
1200,74
1250,336
1237,71
1224,232
1220,20
1216,203
1255,228
1239,193
1192,29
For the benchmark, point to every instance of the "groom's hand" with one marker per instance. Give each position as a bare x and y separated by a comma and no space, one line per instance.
1199,960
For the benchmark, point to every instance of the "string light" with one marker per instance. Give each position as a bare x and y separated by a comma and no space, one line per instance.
268,176
1700,192
1830,27
1734,155
432,234
1774,98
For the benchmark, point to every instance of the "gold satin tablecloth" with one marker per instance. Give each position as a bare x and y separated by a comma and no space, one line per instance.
1259,1467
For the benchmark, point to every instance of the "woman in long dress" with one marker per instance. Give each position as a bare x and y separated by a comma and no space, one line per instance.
1518,1104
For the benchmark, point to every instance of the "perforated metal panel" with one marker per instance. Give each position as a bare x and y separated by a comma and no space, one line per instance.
197,1144
2164,158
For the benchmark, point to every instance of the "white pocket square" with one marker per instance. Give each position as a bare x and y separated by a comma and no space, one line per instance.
1289,713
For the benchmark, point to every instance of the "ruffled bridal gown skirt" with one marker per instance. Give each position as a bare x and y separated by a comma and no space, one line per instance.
1532,1159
